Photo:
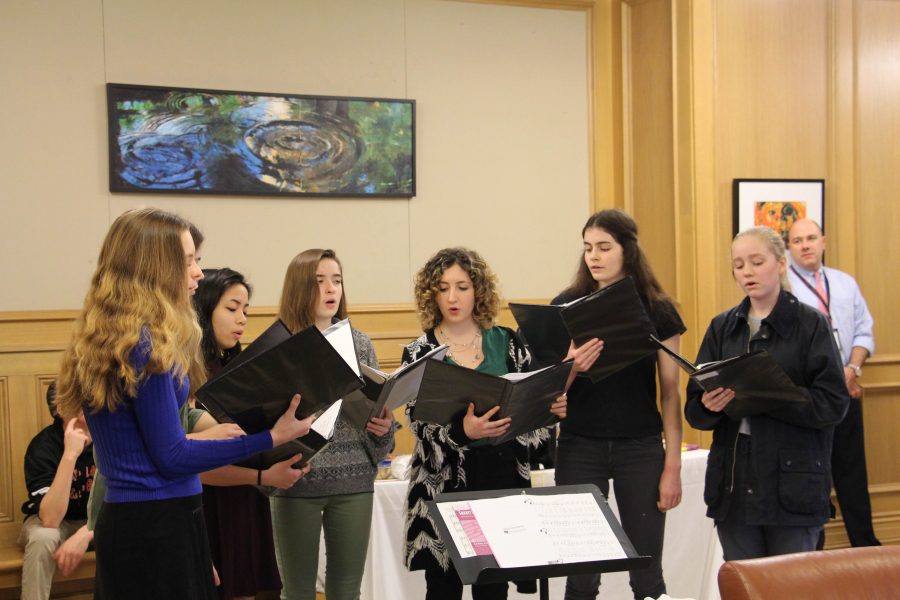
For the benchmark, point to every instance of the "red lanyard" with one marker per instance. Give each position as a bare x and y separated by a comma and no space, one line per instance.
826,301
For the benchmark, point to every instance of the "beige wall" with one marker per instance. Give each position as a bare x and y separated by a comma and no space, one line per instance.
504,145
502,135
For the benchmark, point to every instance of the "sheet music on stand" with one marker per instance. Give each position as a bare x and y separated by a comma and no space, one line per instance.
517,529
532,533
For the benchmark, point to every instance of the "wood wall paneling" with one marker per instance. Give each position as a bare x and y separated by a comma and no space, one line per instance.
773,89
42,382
649,128
649,120
881,413
771,99
878,165
840,191
7,483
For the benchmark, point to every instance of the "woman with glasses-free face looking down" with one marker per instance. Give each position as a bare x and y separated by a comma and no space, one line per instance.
457,303
237,517
614,427
336,495
131,364
768,476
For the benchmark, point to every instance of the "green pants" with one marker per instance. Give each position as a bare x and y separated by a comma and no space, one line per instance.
297,524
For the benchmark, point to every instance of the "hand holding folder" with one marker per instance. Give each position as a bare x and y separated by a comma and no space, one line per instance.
760,385
254,389
447,390
318,436
288,426
614,314
387,390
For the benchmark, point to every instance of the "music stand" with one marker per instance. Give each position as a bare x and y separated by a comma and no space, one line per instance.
484,569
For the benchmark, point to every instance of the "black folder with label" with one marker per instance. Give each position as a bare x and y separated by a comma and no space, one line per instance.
760,385
256,387
447,389
614,314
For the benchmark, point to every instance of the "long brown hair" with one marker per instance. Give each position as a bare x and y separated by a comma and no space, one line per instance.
624,230
138,286
300,292
484,282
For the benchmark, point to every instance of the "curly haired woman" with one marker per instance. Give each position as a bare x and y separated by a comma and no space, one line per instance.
457,303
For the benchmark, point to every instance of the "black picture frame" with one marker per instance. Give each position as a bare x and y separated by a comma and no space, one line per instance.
208,141
787,200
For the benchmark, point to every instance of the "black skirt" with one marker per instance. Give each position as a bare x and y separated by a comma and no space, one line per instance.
240,539
154,549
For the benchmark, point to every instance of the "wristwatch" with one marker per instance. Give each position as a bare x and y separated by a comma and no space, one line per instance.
856,369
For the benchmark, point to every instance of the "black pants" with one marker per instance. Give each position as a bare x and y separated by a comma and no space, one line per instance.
635,466
445,585
851,483
152,550
487,468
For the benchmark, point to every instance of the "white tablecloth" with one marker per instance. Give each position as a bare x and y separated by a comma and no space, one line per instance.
691,555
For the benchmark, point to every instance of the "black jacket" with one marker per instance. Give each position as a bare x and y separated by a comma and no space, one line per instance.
791,449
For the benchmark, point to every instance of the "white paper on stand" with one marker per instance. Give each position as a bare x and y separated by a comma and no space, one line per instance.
527,530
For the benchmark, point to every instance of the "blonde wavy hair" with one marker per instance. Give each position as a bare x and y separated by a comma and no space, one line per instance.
774,242
139,284
428,280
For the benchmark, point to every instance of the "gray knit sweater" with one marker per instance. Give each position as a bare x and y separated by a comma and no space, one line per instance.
349,463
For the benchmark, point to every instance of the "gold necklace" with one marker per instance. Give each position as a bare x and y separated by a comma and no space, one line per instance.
462,348
458,344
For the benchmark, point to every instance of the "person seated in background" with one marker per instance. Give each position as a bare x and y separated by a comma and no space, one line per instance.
58,476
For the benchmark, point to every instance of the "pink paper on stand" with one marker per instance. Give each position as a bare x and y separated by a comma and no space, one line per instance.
473,531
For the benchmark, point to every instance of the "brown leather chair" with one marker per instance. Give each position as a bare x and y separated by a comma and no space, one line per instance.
848,574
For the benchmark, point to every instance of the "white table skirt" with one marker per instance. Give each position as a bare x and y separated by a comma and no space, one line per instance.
691,554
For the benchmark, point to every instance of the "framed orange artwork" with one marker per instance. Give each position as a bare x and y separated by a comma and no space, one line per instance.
777,203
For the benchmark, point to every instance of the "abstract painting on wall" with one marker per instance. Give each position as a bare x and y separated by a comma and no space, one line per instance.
777,203
164,139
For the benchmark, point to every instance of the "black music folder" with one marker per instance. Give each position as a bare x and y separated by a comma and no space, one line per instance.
382,389
447,390
255,388
760,384
614,314
321,432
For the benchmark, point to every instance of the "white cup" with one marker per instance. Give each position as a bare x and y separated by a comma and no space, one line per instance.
400,466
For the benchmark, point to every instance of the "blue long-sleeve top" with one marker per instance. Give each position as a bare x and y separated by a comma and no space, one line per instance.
142,449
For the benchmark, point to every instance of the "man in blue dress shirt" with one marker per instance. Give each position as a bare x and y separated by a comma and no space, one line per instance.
837,294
